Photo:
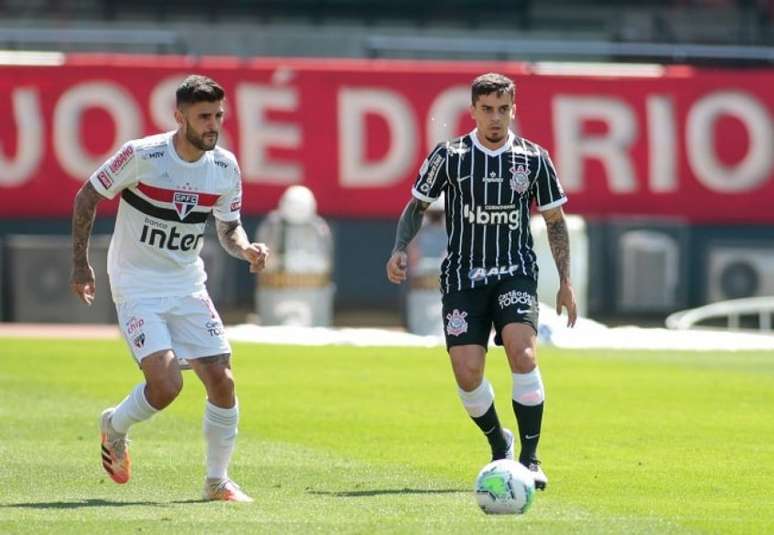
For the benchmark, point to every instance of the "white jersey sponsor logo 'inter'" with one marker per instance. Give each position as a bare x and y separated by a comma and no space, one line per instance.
165,202
489,194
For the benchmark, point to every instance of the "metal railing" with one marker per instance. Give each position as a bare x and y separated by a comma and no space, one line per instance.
380,45
161,40
732,310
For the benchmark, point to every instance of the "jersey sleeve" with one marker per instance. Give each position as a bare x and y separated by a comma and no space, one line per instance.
547,190
229,203
117,173
431,176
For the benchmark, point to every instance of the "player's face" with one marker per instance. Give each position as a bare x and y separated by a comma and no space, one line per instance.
200,123
493,114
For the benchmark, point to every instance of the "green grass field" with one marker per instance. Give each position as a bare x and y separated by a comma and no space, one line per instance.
353,440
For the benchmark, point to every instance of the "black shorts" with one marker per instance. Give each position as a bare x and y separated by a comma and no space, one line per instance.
468,315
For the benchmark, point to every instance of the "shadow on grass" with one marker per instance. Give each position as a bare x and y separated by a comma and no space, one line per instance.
382,492
77,504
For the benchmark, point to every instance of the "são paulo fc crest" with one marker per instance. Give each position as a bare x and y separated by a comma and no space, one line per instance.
139,340
184,203
519,179
457,324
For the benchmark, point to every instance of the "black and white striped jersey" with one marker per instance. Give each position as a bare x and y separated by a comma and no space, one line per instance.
488,198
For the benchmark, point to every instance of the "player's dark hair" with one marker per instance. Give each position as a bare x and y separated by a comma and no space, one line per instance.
197,88
491,82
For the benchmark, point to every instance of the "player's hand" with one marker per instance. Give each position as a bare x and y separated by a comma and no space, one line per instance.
396,267
82,283
256,254
565,297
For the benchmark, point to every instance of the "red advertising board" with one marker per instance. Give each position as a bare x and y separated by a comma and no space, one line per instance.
675,141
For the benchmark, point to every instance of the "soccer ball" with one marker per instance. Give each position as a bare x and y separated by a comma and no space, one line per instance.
504,487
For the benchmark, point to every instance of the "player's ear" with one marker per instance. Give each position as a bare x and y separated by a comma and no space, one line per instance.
179,119
472,111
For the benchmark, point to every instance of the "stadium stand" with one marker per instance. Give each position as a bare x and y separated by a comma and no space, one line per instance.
343,27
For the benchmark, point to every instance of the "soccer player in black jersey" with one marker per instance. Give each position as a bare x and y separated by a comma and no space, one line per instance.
491,178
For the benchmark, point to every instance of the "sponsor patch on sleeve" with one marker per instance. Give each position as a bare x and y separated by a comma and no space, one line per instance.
104,179
121,159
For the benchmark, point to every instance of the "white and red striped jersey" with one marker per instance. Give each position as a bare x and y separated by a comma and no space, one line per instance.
162,213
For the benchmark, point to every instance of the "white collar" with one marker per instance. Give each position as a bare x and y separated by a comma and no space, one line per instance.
506,146
178,159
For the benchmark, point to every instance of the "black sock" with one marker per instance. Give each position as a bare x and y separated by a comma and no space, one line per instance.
529,419
490,425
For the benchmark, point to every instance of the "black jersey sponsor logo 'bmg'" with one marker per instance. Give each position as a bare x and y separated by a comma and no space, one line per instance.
492,215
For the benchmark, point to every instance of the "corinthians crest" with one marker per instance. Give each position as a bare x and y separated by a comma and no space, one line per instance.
457,324
519,178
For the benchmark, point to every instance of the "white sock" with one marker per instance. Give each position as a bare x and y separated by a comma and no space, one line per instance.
220,431
133,409
478,400
528,388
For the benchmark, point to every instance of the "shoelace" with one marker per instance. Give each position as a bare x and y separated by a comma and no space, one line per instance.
119,445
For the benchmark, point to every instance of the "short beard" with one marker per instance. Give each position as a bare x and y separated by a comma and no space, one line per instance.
198,141
494,139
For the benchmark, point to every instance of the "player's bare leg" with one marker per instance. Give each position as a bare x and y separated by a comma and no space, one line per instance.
221,416
477,395
163,382
528,394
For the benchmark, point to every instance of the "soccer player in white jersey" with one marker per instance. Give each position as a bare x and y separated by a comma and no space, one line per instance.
169,183
491,178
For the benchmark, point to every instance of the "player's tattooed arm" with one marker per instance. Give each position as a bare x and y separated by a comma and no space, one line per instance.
84,210
409,224
233,238
559,240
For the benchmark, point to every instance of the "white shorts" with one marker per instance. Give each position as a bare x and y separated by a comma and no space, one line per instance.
189,326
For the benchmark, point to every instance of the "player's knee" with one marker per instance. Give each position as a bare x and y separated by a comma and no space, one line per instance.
468,375
164,390
223,385
523,358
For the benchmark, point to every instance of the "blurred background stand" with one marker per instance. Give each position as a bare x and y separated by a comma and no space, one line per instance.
548,279
39,267
296,287
425,255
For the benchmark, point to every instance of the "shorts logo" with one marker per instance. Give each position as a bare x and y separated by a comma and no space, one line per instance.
134,324
516,297
479,273
215,328
104,179
457,324
184,203
139,340
236,204
519,179
121,159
